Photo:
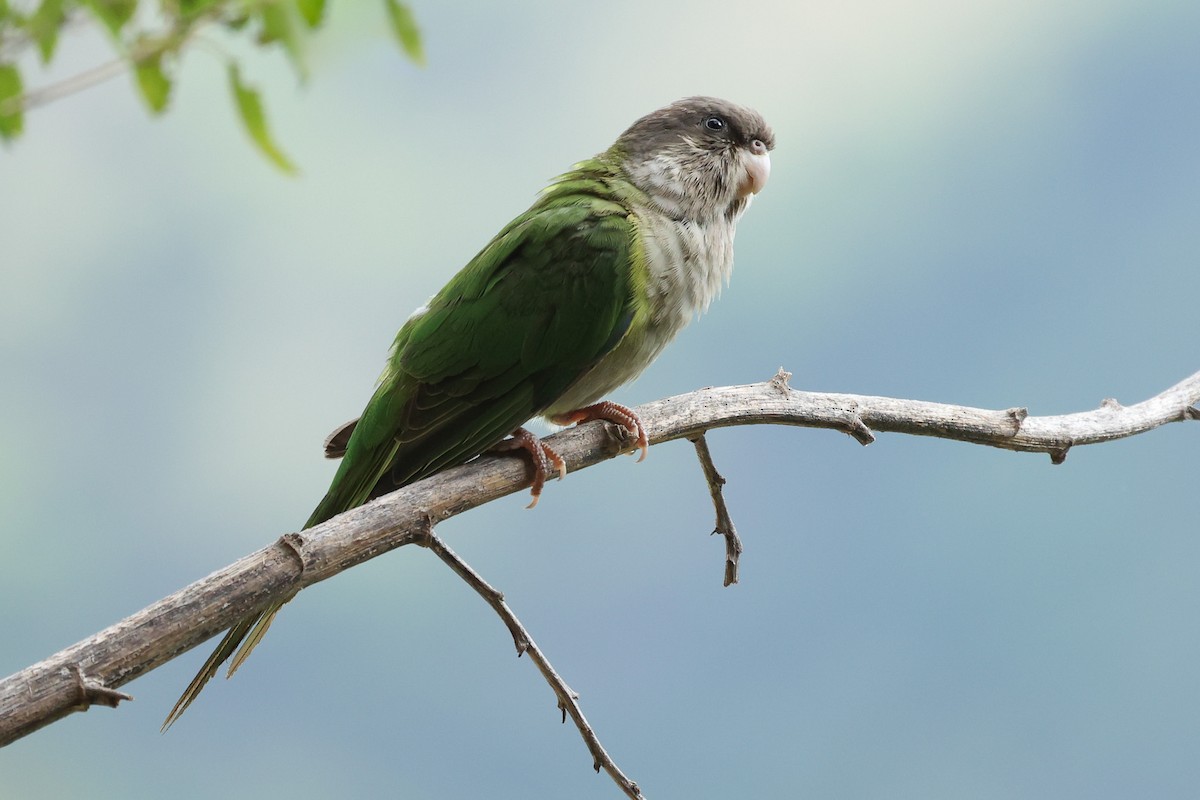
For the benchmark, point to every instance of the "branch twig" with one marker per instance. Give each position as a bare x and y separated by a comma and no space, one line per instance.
724,526
66,87
568,700
47,691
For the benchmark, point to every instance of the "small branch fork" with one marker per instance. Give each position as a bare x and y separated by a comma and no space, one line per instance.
568,700
88,672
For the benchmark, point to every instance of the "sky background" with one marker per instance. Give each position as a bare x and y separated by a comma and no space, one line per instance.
984,203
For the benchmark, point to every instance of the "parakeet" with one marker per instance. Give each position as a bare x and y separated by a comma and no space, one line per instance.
573,298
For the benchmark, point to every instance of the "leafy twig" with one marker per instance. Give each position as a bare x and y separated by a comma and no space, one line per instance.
152,51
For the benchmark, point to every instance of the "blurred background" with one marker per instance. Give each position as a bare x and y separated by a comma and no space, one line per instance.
987,203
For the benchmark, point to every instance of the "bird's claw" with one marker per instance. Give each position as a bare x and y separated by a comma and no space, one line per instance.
608,411
544,459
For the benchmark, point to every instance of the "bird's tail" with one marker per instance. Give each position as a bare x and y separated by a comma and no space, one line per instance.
239,641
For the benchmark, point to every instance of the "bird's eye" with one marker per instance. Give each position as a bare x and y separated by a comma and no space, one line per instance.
714,123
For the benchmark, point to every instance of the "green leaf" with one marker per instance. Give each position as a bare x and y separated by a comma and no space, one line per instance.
44,26
278,26
155,85
249,107
113,14
11,122
313,11
190,9
404,28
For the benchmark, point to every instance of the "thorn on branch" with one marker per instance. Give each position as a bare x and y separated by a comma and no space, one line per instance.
1191,412
94,693
1111,404
780,381
1058,455
724,526
1017,415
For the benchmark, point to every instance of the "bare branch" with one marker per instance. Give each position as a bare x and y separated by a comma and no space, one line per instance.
568,700
49,690
724,526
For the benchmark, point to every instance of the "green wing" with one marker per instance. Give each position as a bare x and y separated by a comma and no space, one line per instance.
531,314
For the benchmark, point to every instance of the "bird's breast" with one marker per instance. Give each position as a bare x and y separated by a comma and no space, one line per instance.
686,265
688,262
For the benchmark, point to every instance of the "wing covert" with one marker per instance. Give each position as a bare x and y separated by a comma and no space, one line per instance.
526,318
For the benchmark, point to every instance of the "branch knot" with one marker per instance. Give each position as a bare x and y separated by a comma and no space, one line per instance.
93,692
294,544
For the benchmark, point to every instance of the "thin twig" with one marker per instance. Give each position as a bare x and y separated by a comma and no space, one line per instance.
568,700
66,87
172,40
724,526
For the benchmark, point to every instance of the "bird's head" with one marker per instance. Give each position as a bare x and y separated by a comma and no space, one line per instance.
698,158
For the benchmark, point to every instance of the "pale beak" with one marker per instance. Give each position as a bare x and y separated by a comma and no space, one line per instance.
758,169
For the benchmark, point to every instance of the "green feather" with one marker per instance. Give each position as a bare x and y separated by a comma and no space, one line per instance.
557,289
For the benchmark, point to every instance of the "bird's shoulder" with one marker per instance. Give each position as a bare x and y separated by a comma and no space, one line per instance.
553,286
582,226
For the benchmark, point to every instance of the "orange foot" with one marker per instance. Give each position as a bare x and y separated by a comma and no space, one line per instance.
609,412
543,456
